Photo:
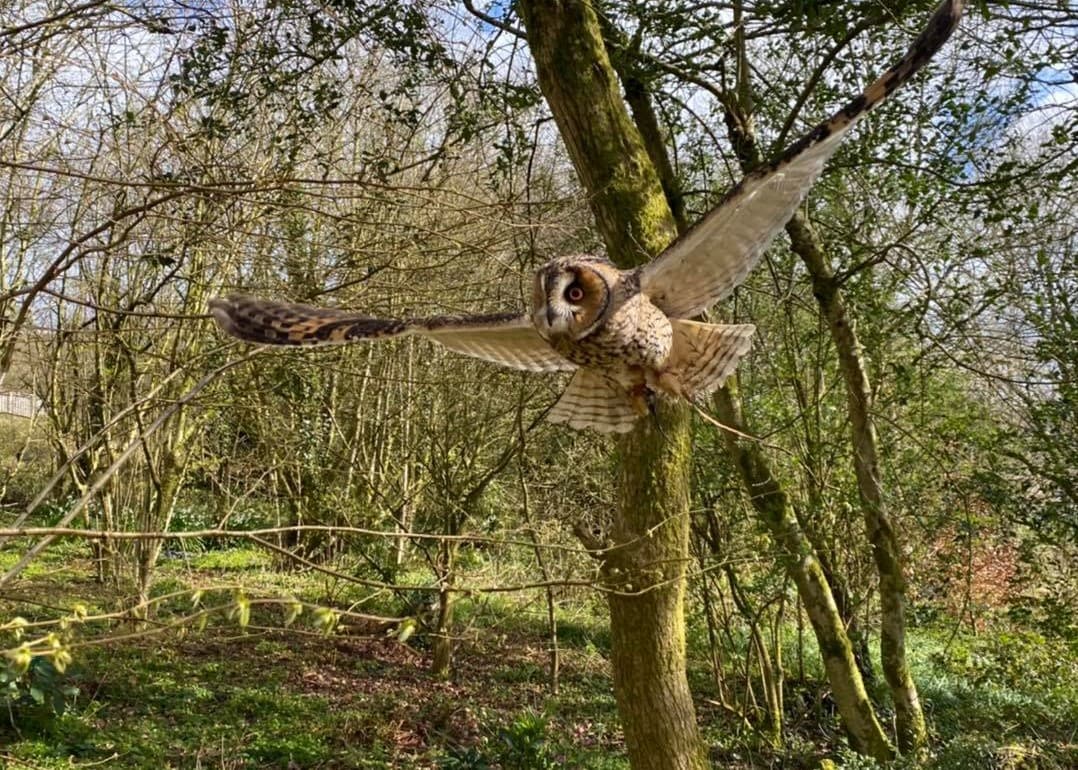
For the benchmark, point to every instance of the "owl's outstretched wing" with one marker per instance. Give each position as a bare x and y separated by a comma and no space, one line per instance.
708,262
508,339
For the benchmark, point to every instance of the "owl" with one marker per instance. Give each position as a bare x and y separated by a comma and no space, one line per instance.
628,335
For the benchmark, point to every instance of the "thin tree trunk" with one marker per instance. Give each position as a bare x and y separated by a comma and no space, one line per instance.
554,653
766,494
886,550
647,605
847,608
442,648
770,674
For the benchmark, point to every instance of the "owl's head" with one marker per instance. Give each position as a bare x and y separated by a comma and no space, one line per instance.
571,296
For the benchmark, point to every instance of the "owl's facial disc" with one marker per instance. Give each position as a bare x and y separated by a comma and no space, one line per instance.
568,301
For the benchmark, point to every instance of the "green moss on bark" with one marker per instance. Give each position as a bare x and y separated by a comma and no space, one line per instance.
646,574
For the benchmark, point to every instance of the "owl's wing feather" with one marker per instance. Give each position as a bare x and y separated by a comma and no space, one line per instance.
709,261
508,339
282,323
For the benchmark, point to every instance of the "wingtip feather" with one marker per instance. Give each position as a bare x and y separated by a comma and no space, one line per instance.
221,310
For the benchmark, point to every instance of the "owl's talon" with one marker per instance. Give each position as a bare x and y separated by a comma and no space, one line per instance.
640,397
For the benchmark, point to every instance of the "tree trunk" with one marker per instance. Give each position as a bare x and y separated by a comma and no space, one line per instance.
828,622
847,608
865,732
770,673
441,664
647,577
581,87
886,551
647,574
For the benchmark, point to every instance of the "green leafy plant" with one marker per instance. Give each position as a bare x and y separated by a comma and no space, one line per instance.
36,695
525,745
465,758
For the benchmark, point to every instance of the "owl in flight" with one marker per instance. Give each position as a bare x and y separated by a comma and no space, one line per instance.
627,334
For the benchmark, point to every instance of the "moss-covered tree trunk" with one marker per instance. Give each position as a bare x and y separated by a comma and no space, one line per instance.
886,551
647,572
647,577
581,87
770,501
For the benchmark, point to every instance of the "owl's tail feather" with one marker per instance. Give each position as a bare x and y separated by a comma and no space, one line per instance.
704,355
593,400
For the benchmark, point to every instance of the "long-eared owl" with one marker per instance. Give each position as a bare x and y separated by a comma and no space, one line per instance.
627,334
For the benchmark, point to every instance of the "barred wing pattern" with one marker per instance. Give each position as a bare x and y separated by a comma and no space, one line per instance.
508,339
704,355
593,400
709,261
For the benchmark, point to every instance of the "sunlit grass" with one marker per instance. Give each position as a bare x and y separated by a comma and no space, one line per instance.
252,698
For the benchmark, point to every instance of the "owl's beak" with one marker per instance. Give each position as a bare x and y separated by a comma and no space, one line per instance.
557,324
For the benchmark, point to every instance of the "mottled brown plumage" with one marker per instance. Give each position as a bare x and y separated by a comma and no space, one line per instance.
625,332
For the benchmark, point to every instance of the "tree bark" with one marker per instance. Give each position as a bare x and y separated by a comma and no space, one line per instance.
767,496
646,574
580,85
647,577
441,664
886,551
804,565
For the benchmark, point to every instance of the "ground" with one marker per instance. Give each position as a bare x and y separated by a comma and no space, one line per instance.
259,697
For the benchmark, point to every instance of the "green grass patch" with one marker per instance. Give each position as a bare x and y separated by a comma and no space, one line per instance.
233,559
228,698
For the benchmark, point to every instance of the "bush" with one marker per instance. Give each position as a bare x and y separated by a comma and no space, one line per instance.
524,743
36,697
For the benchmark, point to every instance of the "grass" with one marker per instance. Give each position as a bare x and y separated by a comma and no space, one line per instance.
228,698
1009,697
277,700
232,698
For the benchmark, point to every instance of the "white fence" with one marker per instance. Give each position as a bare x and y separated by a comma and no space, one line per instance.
19,404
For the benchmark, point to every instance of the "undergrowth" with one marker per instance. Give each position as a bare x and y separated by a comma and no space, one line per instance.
229,697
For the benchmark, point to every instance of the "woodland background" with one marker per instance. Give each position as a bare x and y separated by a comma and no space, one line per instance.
365,556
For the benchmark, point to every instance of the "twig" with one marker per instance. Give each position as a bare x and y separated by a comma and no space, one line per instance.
120,461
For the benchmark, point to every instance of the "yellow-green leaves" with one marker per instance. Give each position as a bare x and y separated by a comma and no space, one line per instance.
405,630
293,610
17,626
241,611
326,620
19,659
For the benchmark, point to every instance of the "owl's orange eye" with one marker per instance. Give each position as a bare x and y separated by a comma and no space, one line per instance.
574,293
